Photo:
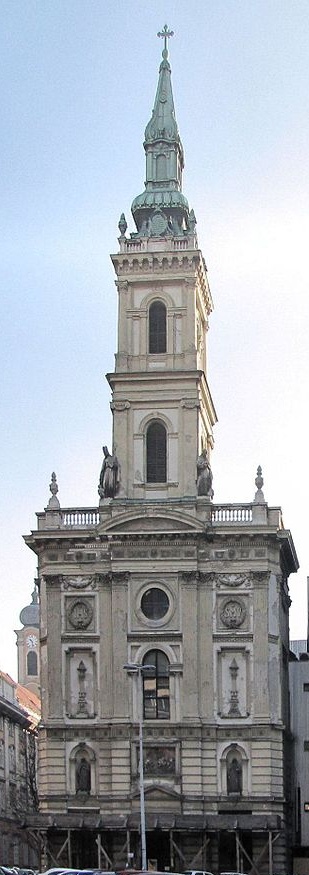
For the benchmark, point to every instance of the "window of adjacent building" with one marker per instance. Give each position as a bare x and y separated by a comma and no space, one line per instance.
306,688
32,663
154,603
156,453
156,687
157,327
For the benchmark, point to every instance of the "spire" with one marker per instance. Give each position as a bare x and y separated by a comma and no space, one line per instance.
162,209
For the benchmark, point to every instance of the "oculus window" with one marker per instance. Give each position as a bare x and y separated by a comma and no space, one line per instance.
155,603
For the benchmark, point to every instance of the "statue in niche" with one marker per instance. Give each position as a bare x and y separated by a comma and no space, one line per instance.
234,776
204,476
83,776
109,475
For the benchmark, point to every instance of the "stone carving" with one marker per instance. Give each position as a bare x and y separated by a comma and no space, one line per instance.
82,709
120,406
234,706
190,403
233,614
79,582
109,476
234,776
53,503
80,614
159,761
204,476
83,776
231,579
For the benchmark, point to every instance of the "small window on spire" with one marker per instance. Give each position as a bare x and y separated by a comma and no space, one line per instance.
157,327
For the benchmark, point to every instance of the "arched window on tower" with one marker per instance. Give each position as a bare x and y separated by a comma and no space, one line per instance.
32,663
156,453
157,327
156,693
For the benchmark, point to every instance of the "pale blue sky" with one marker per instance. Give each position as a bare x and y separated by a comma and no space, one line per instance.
78,84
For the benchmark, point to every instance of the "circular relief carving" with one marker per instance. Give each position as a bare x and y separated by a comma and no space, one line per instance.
233,614
80,614
155,603
158,224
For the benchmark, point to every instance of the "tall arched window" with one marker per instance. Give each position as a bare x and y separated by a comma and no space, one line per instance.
156,453
32,662
157,327
156,687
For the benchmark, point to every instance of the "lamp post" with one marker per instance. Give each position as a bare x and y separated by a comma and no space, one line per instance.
139,670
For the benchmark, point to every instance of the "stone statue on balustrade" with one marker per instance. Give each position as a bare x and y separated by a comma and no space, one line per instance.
109,475
204,476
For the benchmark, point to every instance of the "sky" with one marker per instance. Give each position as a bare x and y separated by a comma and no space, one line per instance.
78,86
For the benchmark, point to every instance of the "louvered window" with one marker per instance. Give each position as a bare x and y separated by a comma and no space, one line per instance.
157,327
156,687
32,663
156,453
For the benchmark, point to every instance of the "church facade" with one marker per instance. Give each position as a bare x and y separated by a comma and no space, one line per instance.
159,576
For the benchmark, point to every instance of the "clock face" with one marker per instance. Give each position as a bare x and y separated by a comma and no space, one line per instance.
32,641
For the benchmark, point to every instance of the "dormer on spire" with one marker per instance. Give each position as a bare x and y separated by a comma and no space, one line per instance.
162,209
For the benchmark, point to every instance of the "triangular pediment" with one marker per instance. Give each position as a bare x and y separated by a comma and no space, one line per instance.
157,792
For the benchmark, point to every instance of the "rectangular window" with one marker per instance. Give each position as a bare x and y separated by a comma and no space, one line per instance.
306,688
306,745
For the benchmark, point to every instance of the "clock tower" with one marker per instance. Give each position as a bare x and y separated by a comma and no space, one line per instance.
28,654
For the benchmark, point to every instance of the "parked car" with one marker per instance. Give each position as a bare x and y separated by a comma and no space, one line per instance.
197,872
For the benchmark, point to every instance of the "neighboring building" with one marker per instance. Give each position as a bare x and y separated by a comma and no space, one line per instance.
19,717
158,574
28,651
299,693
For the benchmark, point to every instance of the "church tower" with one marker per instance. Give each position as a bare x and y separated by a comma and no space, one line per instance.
28,653
162,407
163,616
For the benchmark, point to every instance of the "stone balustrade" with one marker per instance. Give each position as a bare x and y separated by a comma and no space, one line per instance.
218,515
145,244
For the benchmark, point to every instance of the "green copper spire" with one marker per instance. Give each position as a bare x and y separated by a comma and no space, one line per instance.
162,208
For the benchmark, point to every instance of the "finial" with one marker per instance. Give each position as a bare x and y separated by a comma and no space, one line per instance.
259,482
122,225
165,34
53,501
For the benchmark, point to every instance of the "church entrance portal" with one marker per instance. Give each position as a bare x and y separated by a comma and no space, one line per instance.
158,850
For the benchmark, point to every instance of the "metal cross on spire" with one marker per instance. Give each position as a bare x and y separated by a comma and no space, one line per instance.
165,34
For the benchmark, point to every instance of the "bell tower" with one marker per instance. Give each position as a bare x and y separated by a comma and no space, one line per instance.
163,414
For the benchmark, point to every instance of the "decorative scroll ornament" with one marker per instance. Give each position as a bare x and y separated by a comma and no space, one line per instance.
232,579
233,614
79,582
80,614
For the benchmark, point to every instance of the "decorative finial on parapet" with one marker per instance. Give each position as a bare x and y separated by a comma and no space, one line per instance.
259,482
165,34
53,503
122,225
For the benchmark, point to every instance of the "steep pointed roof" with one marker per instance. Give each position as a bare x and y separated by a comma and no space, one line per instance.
162,209
163,124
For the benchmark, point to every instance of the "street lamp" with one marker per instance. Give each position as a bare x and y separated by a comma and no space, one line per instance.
139,670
